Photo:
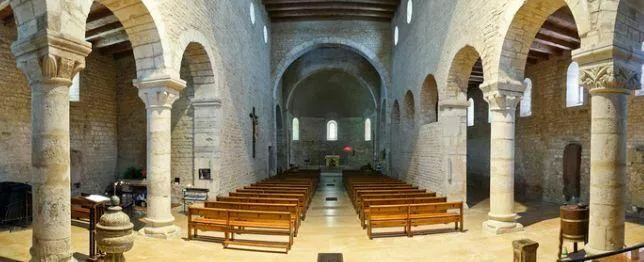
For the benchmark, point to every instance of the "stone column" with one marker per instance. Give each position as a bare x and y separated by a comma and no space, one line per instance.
502,218
158,96
609,84
453,119
50,62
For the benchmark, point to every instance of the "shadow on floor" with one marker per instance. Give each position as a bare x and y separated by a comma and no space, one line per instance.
537,211
4,259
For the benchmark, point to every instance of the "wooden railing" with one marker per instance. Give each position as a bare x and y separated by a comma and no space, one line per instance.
633,249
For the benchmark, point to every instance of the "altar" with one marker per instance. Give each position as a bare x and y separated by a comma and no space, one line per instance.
332,161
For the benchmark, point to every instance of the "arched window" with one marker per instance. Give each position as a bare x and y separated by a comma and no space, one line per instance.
332,130
574,91
470,112
526,101
296,129
367,130
74,90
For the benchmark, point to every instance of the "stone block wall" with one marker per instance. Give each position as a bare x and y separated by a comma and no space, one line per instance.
314,146
131,118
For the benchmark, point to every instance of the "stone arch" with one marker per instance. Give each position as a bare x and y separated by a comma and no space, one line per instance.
460,71
202,78
351,45
205,59
410,108
145,30
522,30
360,79
429,100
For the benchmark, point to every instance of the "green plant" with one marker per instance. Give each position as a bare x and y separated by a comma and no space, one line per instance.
133,173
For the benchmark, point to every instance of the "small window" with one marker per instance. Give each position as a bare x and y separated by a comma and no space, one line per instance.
265,35
252,12
332,131
296,129
367,130
574,91
410,9
74,90
470,112
396,35
526,101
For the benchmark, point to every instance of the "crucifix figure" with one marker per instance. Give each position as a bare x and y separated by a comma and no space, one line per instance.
253,117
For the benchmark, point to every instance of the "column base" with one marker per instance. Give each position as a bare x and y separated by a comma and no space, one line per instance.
498,227
591,251
52,250
164,232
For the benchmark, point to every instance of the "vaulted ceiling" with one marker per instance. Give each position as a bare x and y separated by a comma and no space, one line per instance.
289,10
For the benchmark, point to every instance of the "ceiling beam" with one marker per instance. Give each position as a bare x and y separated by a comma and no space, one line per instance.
555,42
98,32
285,8
560,32
98,14
113,39
330,13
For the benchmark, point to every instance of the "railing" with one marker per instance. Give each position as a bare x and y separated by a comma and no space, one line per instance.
604,255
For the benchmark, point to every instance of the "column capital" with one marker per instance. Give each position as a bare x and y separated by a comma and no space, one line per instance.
47,57
502,100
609,69
159,92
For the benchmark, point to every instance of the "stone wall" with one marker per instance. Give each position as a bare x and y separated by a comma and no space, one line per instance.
93,122
131,118
241,66
314,146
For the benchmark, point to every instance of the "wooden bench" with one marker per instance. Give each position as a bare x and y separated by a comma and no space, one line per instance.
411,215
366,203
291,208
357,198
392,195
288,190
300,197
234,221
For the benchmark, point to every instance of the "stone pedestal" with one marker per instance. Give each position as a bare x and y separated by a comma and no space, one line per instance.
502,218
158,96
525,250
50,62
114,233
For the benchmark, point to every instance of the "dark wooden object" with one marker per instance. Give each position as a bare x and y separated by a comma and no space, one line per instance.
574,225
89,212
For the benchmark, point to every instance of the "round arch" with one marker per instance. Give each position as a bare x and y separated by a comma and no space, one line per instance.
351,45
429,100
360,79
410,108
196,47
528,18
460,70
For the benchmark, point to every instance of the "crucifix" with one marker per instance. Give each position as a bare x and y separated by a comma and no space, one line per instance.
253,118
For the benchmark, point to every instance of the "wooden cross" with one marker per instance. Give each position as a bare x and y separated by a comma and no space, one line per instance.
253,118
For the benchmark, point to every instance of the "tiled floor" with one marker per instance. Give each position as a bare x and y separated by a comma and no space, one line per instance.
332,227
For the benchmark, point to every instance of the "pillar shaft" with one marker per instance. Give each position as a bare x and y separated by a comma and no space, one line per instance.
49,63
51,238
607,170
502,218
158,96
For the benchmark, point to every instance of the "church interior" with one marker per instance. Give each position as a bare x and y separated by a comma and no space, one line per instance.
322,130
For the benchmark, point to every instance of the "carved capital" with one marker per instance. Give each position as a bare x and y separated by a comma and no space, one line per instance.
46,57
609,77
159,92
502,101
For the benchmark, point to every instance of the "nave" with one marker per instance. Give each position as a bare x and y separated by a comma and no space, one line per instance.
334,227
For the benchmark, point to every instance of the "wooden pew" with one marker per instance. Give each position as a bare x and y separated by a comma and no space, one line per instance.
392,195
436,213
232,221
408,215
291,208
366,203
296,190
357,198
300,197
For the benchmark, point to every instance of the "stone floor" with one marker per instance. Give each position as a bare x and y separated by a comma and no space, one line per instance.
332,227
